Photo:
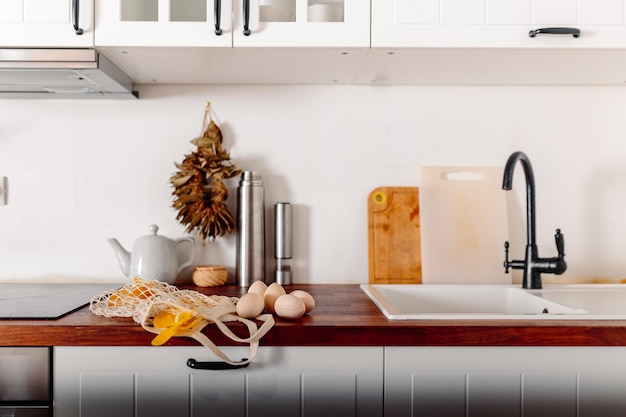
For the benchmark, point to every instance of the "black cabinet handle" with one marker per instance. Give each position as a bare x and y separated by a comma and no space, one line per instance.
215,366
217,6
246,17
555,31
76,17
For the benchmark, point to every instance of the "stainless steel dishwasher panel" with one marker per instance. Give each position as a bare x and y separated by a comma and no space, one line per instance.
25,375
25,381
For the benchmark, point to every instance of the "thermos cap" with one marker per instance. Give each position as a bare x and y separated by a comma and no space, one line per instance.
251,178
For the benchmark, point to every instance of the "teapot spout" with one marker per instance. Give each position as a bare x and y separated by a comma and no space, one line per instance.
123,256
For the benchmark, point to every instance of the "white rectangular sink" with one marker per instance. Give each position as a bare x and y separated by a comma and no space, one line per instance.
414,302
602,301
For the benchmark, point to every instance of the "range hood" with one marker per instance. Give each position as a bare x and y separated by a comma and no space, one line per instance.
61,73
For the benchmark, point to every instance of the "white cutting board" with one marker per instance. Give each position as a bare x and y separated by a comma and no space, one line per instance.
463,224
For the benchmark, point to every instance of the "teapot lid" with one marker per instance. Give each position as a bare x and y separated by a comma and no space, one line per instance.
153,229
152,236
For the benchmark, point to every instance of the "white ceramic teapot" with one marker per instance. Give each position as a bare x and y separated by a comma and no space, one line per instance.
153,257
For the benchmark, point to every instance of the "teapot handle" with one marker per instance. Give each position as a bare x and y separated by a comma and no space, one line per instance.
189,261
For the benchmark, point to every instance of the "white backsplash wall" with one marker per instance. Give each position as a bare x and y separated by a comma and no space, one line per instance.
81,171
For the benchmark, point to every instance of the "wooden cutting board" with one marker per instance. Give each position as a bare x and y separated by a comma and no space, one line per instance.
393,216
464,225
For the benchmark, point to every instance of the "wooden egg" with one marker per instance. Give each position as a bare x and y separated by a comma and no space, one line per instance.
271,294
258,287
289,306
309,301
250,305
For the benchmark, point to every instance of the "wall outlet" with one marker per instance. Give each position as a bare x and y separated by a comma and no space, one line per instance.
4,194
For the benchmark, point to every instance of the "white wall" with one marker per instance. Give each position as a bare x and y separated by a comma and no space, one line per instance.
82,171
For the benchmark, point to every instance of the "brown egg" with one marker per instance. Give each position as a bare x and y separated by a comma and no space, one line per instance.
271,294
309,301
258,287
250,305
289,306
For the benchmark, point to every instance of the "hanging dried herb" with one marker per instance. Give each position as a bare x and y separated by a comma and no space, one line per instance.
199,193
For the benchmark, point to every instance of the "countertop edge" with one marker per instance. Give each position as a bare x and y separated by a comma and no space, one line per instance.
343,316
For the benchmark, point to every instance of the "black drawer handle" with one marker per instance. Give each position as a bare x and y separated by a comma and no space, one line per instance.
246,17
555,31
76,17
215,366
217,6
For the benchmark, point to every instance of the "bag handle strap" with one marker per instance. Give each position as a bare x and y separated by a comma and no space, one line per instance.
255,335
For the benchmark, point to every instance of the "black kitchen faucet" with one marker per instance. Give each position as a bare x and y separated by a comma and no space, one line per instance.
532,264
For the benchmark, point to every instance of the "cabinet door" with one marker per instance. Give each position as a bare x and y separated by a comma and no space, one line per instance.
45,23
496,23
148,381
505,381
302,23
176,23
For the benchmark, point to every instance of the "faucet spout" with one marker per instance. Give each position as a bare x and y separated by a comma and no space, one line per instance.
507,184
532,264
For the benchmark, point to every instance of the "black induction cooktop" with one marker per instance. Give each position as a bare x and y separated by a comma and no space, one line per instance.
46,301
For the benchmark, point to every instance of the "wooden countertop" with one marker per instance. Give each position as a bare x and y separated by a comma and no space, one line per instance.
344,316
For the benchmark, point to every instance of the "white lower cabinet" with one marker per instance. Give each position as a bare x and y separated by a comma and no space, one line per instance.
343,381
505,381
155,381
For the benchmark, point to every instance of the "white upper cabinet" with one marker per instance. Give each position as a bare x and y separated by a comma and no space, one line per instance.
46,23
488,42
497,23
192,23
285,41
302,23
175,23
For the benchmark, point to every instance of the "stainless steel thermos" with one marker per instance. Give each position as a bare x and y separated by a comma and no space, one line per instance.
250,263
283,242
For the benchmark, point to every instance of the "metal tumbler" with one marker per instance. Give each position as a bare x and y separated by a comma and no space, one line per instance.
250,264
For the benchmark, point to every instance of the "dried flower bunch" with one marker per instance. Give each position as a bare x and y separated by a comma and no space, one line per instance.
199,193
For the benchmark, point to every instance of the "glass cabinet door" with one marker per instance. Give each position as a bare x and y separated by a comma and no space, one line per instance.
315,23
163,23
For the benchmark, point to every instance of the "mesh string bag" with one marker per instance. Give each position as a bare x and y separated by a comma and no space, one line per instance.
168,311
